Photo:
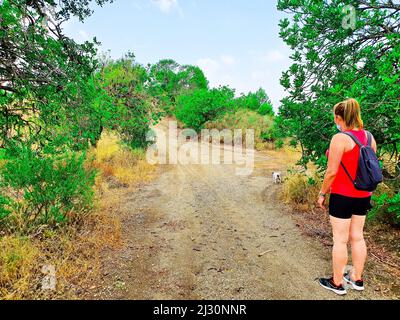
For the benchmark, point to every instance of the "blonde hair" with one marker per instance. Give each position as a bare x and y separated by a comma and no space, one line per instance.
349,110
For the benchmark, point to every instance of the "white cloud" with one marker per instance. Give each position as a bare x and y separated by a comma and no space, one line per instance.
261,75
215,71
83,36
209,66
272,56
228,60
167,6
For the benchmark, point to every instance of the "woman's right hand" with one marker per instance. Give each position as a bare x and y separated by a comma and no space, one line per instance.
321,203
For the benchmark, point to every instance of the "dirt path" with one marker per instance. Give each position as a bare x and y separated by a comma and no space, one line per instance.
197,232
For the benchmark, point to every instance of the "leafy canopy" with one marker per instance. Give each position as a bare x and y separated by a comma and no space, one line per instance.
168,80
201,106
46,82
333,61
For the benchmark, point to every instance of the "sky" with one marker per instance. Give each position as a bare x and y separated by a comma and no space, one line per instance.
235,42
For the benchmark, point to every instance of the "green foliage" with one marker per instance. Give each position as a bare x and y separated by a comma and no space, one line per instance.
52,108
44,189
257,101
168,80
132,109
5,207
394,206
46,88
386,208
266,109
332,62
244,119
274,133
203,105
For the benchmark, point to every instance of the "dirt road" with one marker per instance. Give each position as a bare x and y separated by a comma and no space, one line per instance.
202,232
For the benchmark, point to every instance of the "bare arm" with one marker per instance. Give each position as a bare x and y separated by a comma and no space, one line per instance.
374,146
336,151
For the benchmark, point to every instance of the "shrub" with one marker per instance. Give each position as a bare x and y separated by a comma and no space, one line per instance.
131,110
386,205
301,190
201,106
257,101
266,109
244,119
119,164
44,189
18,259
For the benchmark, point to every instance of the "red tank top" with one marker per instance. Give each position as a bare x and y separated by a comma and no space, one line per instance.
342,184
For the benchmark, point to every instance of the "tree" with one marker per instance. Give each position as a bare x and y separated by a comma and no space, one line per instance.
343,49
257,101
132,109
50,107
203,105
168,80
333,60
46,79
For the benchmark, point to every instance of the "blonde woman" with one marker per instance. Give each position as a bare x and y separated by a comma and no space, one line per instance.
348,206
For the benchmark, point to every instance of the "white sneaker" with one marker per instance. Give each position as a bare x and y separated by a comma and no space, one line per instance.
356,285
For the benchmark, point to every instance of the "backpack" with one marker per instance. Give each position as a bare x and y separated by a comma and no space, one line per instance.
369,173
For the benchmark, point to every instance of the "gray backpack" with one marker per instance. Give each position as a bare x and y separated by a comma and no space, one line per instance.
369,173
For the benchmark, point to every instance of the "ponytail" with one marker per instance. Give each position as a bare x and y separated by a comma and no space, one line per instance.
350,111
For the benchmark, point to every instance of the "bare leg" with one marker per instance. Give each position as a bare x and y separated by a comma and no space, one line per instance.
341,230
358,246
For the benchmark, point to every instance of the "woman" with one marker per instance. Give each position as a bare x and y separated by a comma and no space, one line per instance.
348,206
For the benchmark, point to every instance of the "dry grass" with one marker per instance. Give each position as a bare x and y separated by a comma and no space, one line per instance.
245,119
287,154
301,187
118,164
301,190
18,258
75,251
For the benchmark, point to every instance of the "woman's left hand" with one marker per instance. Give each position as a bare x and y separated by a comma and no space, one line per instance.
321,203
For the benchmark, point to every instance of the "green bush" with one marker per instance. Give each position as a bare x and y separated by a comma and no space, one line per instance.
256,101
244,119
266,109
37,189
300,189
131,107
195,109
273,133
386,207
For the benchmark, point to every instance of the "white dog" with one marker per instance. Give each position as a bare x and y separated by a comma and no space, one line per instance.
277,177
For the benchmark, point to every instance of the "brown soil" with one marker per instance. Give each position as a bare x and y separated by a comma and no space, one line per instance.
202,232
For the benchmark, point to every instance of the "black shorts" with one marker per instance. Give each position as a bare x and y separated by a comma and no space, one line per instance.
343,207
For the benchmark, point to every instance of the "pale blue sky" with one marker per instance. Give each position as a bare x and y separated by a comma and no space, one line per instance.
235,42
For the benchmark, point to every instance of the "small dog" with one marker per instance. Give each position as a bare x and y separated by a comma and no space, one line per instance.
277,177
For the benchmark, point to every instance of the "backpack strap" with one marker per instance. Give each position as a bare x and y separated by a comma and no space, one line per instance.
355,139
369,136
347,172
